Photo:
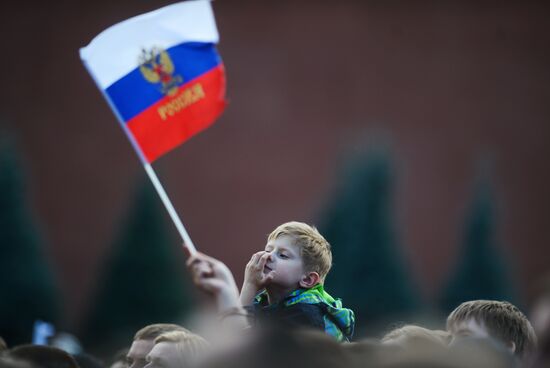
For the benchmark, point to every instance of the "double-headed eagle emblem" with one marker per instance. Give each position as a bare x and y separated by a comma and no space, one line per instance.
156,67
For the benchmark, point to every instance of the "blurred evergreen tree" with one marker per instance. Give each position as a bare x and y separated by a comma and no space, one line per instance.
27,288
481,271
368,272
144,280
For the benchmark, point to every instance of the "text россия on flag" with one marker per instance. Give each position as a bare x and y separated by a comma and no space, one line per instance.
161,73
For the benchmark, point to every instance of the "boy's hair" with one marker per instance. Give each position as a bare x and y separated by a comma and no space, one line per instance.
190,346
153,331
314,249
502,319
412,334
43,356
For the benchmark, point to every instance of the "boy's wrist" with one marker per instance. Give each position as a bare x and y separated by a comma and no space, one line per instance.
249,285
253,287
248,292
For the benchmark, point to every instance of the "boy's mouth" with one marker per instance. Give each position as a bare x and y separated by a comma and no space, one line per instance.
267,269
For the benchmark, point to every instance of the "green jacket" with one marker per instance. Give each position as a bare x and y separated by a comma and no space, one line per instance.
314,307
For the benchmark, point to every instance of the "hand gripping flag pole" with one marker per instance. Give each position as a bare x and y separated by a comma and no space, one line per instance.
161,75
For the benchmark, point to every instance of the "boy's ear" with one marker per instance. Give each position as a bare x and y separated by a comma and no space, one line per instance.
511,346
309,280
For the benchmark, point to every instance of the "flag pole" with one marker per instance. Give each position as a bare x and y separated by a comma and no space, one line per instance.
187,242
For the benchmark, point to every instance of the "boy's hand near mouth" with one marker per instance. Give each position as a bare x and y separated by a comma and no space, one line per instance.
257,276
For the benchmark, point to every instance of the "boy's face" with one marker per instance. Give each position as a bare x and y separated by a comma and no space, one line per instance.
138,352
164,355
472,328
469,328
286,262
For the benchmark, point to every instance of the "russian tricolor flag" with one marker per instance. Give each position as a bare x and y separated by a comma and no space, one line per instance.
161,74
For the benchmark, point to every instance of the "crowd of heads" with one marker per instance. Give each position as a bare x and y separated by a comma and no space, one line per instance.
172,346
477,333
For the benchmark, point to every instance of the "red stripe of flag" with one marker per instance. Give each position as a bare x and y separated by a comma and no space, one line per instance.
174,119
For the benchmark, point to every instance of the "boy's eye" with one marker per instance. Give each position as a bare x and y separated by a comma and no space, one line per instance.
282,255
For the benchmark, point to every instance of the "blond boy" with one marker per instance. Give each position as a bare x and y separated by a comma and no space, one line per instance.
498,320
144,340
283,283
177,349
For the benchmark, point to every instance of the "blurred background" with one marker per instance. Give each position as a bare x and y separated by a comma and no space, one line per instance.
414,134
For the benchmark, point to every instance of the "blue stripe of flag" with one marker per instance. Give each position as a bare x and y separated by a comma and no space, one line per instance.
133,93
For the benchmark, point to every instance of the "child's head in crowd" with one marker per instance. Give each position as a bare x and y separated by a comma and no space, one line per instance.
412,336
299,255
176,349
290,273
144,340
497,320
43,356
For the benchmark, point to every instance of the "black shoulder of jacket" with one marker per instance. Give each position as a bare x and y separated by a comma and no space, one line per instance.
297,315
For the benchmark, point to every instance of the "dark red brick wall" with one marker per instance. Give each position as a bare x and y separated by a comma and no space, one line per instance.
446,83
